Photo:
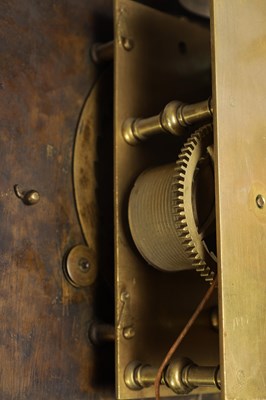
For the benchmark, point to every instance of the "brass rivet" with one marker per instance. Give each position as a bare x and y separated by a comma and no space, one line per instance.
124,296
260,201
129,332
127,43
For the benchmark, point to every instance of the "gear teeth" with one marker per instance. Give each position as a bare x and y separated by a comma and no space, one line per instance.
189,145
177,196
185,157
182,221
201,270
179,222
179,182
212,276
201,266
182,226
192,256
178,207
188,241
178,204
181,175
184,233
180,166
206,272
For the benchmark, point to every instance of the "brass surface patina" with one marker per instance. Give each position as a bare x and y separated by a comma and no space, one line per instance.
239,82
155,304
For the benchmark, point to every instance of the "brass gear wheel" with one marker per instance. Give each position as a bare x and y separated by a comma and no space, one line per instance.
194,151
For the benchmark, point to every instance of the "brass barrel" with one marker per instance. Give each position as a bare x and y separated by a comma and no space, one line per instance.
151,220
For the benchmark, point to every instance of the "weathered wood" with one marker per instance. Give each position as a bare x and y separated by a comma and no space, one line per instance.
45,75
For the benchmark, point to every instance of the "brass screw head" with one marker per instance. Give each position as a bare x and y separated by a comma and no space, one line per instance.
260,201
84,264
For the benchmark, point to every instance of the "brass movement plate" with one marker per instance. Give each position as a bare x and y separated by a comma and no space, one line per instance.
151,305
239,81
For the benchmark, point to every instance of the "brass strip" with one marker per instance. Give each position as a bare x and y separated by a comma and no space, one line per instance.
239,82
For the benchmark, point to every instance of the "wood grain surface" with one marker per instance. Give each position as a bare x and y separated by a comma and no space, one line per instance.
45,76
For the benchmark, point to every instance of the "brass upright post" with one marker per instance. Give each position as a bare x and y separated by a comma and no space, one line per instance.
173,119
182,376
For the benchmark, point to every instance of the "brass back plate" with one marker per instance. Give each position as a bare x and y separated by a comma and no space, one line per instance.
154,305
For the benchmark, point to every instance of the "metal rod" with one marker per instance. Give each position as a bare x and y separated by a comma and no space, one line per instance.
102,52
182,376
100,333
173,119
194,376
138,375
145,375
